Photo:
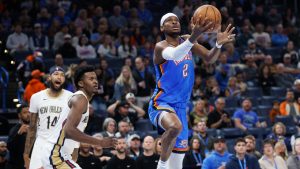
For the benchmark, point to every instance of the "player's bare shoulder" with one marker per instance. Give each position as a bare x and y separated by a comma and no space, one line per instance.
159,47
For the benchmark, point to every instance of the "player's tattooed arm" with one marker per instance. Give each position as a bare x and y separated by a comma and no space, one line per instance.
30,138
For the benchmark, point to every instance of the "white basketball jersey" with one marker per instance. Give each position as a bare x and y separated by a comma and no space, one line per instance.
49,110
58,135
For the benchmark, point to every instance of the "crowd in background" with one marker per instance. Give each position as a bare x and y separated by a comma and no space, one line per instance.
254,82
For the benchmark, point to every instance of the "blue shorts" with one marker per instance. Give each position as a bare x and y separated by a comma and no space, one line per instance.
181,145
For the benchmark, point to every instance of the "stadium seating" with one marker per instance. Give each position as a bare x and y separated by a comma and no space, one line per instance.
286,120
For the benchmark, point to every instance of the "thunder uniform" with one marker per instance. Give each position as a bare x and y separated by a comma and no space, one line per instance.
175,81
49,110
56,151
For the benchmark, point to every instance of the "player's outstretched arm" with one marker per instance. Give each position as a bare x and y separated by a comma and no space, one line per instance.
212,55
78,105
30,138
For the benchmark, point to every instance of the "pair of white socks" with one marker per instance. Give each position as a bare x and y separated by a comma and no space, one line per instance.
174,162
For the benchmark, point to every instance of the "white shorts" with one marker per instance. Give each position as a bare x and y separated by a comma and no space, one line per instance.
54,157
35,160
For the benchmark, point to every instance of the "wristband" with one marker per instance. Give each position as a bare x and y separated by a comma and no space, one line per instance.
218,46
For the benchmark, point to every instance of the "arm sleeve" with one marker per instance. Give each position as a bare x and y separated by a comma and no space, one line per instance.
177,53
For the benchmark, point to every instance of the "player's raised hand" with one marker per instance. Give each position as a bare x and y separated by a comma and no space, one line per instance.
226,36
108,142
200,26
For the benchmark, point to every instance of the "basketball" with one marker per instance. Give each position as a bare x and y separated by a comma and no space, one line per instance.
212,14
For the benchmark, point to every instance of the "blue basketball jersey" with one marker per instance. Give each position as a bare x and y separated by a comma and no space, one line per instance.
174,81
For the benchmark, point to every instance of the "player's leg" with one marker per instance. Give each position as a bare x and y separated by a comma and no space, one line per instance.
172,126
181,146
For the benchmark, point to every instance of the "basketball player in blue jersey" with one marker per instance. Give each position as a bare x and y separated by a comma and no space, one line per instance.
175,78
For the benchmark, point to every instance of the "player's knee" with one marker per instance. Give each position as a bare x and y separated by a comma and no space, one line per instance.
175,129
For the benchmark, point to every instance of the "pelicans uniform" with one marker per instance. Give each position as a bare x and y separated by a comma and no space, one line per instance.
175,81
49,110
56,151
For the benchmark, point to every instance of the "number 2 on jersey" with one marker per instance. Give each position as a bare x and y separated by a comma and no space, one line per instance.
185,70
53,122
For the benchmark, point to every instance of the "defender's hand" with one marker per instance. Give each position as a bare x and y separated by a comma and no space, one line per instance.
226,36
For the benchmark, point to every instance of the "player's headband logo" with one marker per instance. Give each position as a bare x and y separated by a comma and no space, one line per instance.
57,68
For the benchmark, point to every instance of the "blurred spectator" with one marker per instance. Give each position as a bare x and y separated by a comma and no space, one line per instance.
134,21
251,69
67,49
259,15
134,142
222,77
145,82
266,79
137,38
38,41
223,62
97,37
233,89
34,85
239,16
268,61
123,129
17,41
251,146
293,160
94,122
4,125
212,89
61,17
44,18
126,49
98,152
60,36
178,9
241,159
219,157
278,134
206,140
117,21
279,39
289,106
86,160
134,108
81,20
125,83
282,78
16,139
144,13
198,88
296,89
262,39
121,160
198,113
75,39
147,160
3,154
274,17
242,40
58,61
126,8
120,111
107,48
84,49
219,118
157,146
269,159
193,159
107,71
128,62
24,69
281,150
290,49
240,76
109,127
245,118
70,77
254,51
274,111
287,61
